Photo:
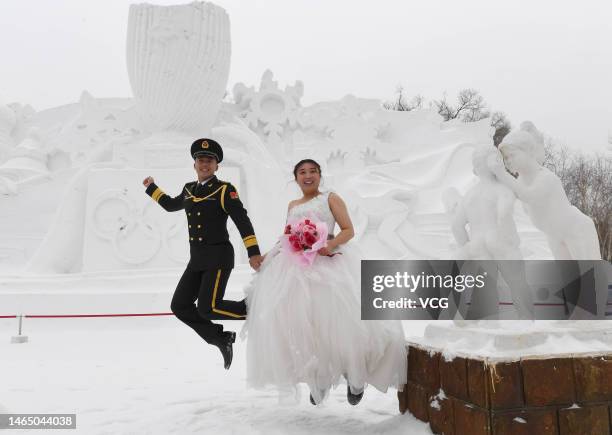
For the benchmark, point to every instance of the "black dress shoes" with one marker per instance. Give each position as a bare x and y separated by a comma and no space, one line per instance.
312,400
225,346
322,394
353,399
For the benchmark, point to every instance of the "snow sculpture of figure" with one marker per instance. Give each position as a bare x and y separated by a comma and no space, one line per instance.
571,235
487,208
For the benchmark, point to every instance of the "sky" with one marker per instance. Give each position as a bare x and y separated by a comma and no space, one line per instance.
546,61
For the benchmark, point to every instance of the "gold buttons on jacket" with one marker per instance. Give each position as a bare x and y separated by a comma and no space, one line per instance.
199,226
200,239
191,238
189,226
198,213
188,214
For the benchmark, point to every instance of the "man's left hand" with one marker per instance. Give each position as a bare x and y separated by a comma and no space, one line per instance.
255,261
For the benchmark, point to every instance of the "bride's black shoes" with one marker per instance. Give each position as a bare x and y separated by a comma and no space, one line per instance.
322,393
225,346
353,399
312,400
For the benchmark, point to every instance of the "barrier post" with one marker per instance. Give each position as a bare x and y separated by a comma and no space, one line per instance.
19,338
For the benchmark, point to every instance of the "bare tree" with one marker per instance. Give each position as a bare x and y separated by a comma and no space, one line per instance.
470,107
445,109
417,102
400,103
502,126
587,180
557,158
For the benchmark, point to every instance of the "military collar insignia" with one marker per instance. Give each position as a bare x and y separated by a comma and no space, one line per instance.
208,183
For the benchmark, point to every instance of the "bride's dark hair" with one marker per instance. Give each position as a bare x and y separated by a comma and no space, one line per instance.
301,162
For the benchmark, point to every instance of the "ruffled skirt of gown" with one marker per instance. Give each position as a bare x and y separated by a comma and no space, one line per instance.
304,326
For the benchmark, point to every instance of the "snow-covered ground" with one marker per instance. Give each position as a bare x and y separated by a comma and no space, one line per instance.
154,375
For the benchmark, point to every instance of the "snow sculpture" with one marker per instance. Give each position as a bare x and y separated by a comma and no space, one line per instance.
487,208
94,128
383,217
24,114
269,110
178,60
26,160
571,234
61,250
8,121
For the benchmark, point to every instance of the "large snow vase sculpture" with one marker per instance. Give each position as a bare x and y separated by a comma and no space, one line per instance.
178,60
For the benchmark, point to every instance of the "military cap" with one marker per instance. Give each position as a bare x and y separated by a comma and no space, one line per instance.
206,147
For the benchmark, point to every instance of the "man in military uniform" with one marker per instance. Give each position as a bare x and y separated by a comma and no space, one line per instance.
208,202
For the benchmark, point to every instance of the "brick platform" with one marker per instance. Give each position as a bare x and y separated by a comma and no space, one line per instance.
466,395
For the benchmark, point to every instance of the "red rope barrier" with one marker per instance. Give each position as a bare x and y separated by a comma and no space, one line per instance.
67,316
61,316
536,304
64,316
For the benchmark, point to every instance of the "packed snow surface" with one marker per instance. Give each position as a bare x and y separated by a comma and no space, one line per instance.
156,376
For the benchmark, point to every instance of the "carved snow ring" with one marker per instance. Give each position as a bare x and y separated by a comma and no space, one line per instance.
271,107
129,220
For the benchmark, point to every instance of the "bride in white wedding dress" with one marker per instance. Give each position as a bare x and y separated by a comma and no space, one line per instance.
304,323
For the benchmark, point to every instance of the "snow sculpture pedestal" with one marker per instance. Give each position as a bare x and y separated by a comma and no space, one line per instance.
544,379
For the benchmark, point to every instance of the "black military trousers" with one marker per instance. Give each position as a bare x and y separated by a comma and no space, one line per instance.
208,288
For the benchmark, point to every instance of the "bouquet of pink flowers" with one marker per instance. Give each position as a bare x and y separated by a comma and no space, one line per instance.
303,238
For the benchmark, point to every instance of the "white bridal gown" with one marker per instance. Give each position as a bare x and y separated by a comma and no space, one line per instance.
304,323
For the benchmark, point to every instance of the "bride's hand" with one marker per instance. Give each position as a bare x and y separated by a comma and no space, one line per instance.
325,252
